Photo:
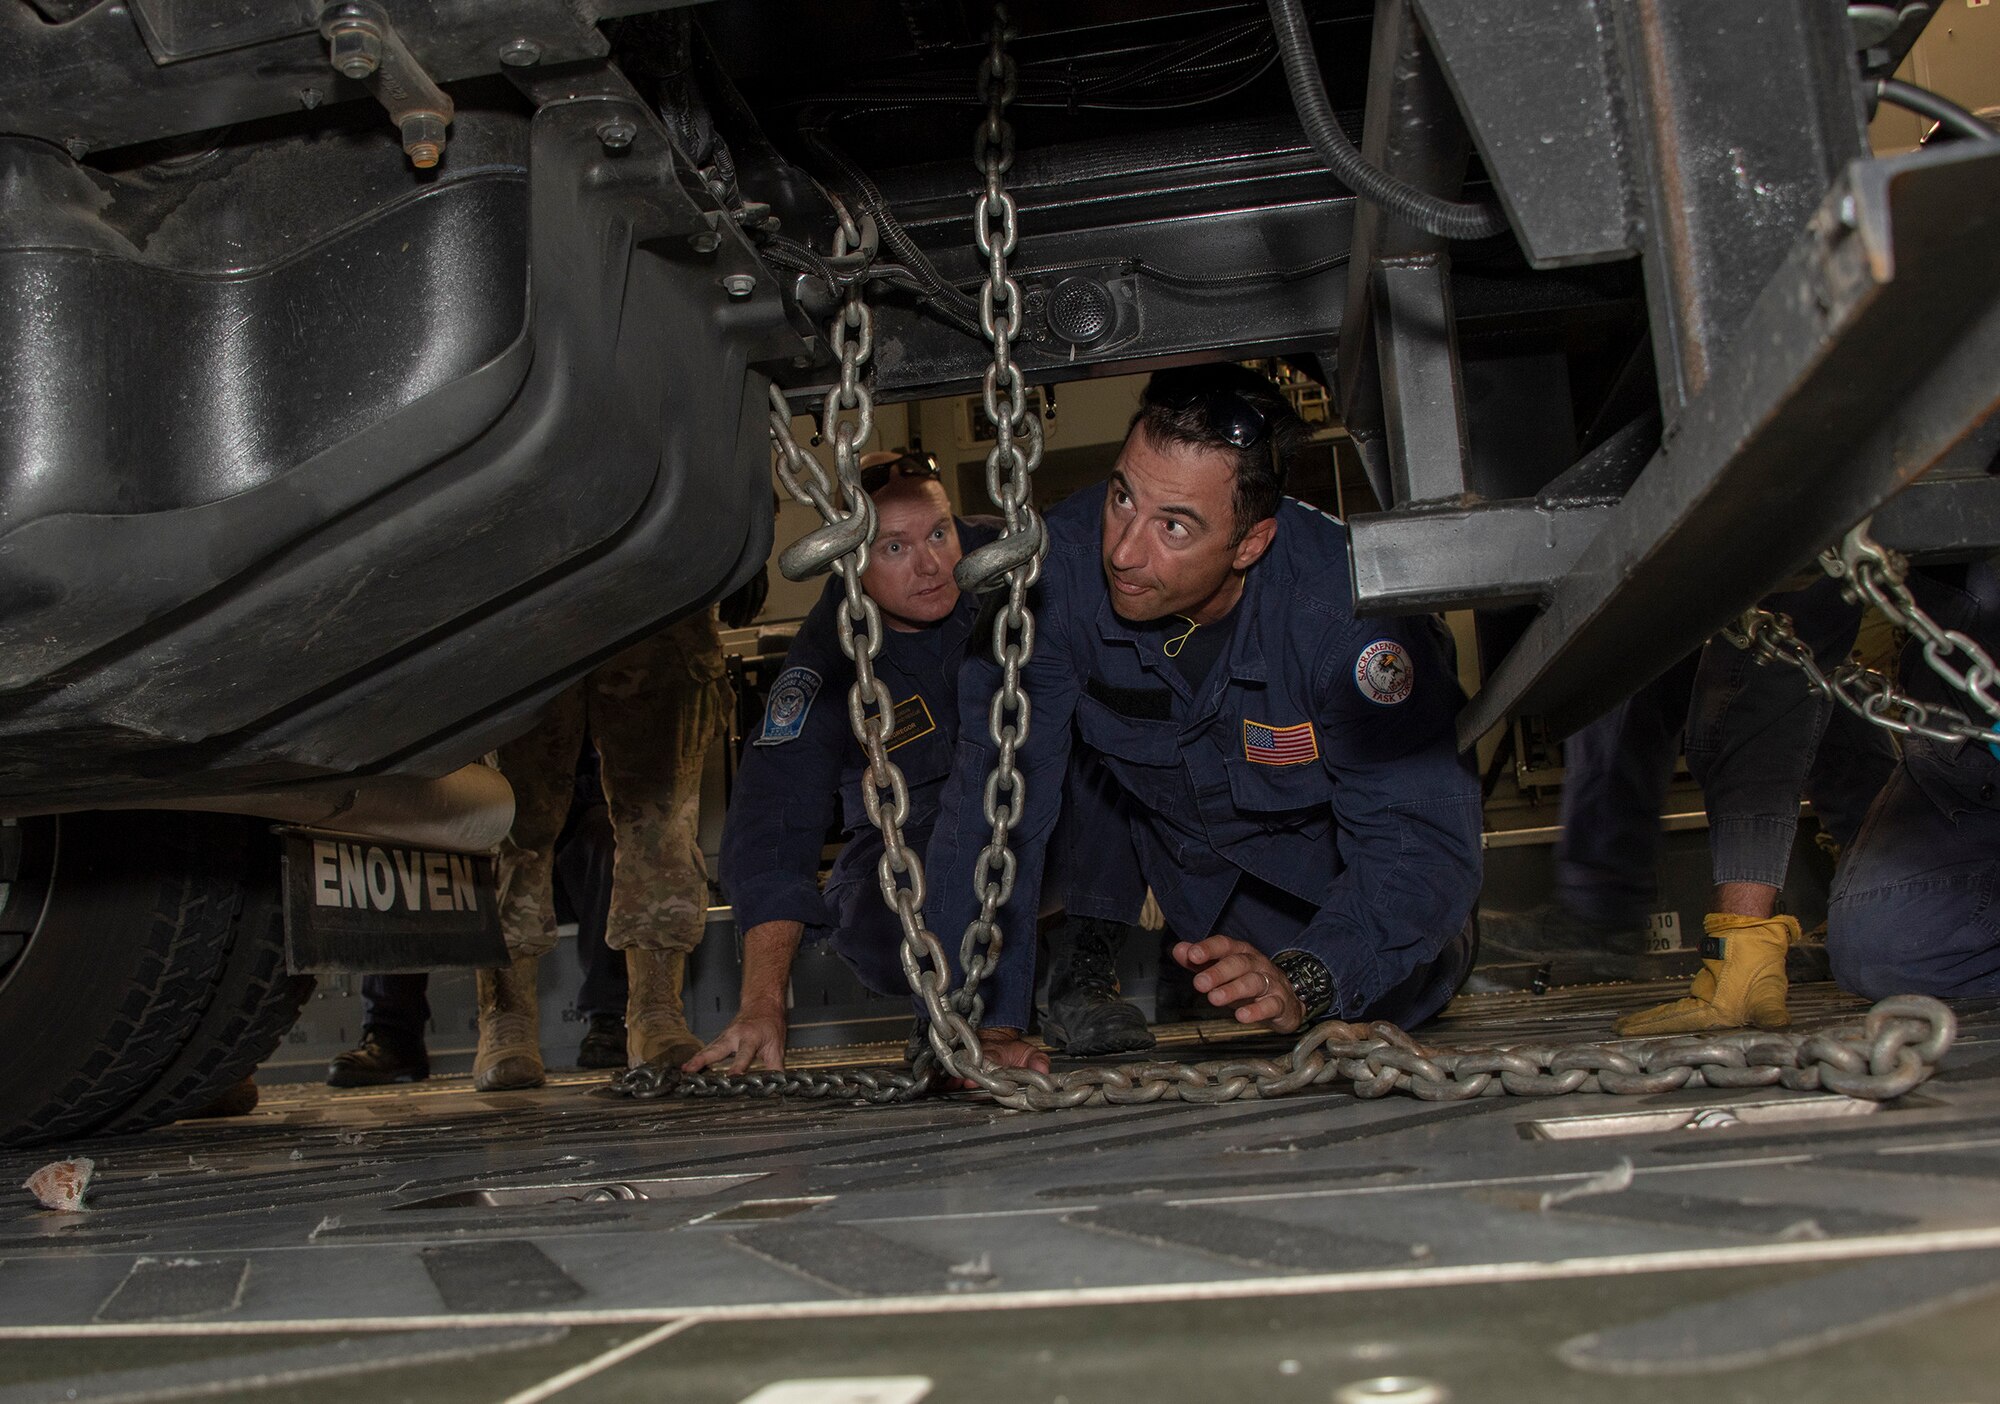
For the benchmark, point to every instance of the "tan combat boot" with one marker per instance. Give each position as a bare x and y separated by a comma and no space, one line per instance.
1742,981
510,1028
655,1025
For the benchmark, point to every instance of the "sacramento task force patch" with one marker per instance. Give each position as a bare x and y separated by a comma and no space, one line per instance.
1383,673
791,700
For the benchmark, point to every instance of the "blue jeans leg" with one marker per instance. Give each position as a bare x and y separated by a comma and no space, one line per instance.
1615,777
396,1004
1753,731
1916,903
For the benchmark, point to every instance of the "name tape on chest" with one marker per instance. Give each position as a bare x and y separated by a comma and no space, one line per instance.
790,703
1383,673
1279,745
913,719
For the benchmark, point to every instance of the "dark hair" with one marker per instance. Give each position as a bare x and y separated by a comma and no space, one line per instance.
1237,411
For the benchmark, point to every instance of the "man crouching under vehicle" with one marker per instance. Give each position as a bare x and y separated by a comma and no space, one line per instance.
804,768
1301,807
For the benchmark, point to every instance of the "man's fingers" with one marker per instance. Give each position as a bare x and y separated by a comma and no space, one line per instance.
714,1053
1228,970
746,1054
1251,984
1192,954
1274,1009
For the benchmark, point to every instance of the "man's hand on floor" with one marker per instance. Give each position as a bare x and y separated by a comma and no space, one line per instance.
1236,975
751,1040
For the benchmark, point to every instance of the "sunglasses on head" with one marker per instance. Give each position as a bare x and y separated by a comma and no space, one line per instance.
1234,419
876,476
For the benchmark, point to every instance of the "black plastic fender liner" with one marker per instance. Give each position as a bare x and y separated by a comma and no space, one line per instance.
622,484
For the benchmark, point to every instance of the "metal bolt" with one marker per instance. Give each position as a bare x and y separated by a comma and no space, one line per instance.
520,53
617,134
309,98
739,285
706,242
423,138
77,148
355,46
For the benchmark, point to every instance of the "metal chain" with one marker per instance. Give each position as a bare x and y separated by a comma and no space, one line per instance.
1873,574
1883,1056
1894,1050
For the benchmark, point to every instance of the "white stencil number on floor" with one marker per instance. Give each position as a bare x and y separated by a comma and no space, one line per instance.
884,1389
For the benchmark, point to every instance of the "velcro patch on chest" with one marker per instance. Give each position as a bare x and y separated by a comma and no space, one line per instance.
790,703
1138,703
1279,745
1383,674
913,719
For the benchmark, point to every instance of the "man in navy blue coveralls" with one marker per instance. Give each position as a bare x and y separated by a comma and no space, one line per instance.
804,768
1302,810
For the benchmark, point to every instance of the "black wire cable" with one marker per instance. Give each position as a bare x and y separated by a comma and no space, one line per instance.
938,295
1941,110
1448,219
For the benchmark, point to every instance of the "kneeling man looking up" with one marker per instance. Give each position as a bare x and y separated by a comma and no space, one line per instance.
804,768
1300,806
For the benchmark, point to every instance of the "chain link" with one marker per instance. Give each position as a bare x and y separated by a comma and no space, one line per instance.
1895,1049
1873,574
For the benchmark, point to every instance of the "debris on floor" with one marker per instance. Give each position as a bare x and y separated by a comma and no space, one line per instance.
60,1184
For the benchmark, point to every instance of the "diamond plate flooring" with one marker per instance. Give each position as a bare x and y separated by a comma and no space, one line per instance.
433,1242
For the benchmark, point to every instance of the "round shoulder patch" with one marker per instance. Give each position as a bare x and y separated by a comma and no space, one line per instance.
1383,673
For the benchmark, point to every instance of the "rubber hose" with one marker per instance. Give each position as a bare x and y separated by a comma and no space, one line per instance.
1941,110
1447,219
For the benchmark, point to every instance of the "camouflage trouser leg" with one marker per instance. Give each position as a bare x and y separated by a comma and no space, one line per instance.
654,711
541,766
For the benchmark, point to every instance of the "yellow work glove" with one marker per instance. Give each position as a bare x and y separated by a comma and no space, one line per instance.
1742,981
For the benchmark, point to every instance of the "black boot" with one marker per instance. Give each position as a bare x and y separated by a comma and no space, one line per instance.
382,1058
1082,1014
604,1044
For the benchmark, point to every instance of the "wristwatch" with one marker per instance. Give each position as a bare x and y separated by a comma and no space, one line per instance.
1311,981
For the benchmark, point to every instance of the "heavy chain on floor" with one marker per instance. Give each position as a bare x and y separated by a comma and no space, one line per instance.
1895,1049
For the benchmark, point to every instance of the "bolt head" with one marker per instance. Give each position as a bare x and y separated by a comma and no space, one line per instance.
423,138
520,53
355,46
705,243
618,133
77,148
739,285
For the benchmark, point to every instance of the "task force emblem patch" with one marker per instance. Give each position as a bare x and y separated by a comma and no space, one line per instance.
791,700
1383,673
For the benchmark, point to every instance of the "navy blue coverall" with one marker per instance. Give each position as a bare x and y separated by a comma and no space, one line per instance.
802,770
1309,796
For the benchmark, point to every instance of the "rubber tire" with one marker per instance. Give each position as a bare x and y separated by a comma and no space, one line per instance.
256,1000
118,973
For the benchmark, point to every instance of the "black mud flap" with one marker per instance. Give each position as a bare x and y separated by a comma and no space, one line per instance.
361,905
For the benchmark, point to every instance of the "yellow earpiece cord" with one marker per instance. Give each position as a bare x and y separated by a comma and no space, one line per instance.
1172,647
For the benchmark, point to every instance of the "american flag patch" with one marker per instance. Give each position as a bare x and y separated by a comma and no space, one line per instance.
1279,745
